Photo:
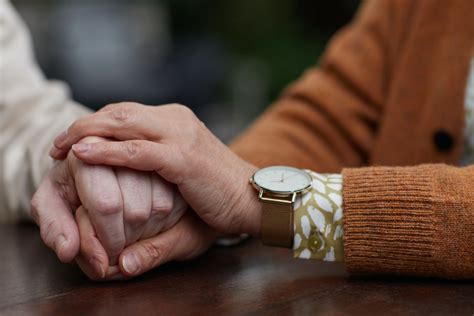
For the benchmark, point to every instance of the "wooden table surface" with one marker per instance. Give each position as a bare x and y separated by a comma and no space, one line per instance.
247,279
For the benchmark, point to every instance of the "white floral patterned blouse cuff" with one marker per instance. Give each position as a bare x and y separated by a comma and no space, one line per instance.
318,220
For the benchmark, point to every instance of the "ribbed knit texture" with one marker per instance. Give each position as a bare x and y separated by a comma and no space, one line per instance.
409,220
388,220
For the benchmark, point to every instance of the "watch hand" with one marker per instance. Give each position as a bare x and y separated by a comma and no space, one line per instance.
294,174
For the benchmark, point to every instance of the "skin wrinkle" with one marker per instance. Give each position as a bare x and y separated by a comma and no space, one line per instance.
32,107
93,180
137,208
222,209
396,143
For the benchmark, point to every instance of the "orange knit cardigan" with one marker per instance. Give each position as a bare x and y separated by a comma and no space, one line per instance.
385,106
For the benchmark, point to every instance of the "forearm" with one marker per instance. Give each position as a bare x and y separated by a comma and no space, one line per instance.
24,159
32,111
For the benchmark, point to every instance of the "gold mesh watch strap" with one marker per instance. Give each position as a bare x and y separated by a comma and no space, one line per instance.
277,220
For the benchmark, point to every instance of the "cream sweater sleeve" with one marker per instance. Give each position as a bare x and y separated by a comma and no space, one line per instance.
32,111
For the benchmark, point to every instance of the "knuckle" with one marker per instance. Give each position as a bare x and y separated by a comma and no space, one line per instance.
122,113
178,106
183,110
129,104
162,206
136,217
162,209
109,107
108,206
155,252
133,148
106,108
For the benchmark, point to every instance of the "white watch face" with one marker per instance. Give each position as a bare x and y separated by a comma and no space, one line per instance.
280,179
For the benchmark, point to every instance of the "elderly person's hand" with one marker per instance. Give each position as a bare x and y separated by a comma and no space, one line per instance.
172,141
123,205
187,239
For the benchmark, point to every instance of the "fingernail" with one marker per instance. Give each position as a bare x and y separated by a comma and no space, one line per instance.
97,266
130,263
60,244
60,138
53,152
81,148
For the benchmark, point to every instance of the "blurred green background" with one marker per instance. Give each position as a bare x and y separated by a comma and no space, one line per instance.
225,59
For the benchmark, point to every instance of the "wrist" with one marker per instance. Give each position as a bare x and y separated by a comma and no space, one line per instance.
251,208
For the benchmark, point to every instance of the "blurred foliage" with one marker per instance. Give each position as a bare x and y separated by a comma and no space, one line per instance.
278,34
226,59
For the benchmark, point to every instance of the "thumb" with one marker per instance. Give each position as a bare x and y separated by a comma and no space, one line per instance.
189,238
56,222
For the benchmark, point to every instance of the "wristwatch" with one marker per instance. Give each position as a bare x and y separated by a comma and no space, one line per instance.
278,188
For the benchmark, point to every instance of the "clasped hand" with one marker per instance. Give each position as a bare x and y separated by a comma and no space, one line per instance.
131,174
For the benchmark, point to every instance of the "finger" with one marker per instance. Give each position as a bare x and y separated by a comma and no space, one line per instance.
123,122
100,194
60,154
111,106
135,154
162,204
179,208
99,191
57,154
137,201
56,221
187,239
112,273
162,223
93,257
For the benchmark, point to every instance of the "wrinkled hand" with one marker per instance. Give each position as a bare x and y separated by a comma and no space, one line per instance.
171,140
189,238
123,206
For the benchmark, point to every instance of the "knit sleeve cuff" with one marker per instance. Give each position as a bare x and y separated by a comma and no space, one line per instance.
389,225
